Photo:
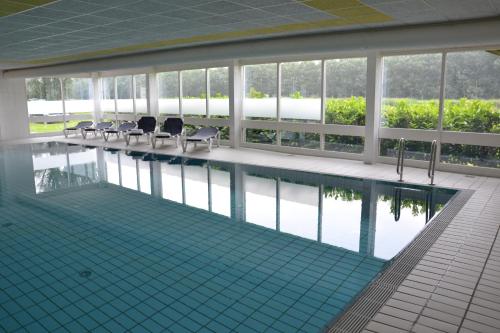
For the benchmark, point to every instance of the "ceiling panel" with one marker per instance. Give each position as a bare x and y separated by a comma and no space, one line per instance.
43,31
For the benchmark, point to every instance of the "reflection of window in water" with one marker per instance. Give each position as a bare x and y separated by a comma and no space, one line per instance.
144,170
220,190
341,219
299,209
260,201
171,179
196,186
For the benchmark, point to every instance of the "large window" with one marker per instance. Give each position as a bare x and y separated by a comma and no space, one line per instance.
78,96
261,89
218,105
168,89
141,94
108,95
411,91
124,98
301,91
194,102
44,99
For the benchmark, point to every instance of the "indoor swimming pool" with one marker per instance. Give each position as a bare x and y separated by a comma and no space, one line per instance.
107,240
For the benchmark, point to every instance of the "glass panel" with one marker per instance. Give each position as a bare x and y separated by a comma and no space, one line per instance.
220,182
218,103
260,201
345,91
411,91
301,91
112,167
196,182
194,102
78,95
171,182
341,219
107,95
44,99
481,156
344,143
145,177
472,92
261,86
299,209
415,150
260,136
300,139
141,94
168,86
125,103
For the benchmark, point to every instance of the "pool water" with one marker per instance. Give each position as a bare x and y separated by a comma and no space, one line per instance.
113,241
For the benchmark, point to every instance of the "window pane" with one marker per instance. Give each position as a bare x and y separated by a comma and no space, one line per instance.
260,92
125,102
194,102
300,139
78,95
107,95
301,91
260,201
219,92
141,92
44,98
411,91
344,143
481,156
260,136
299,210
168,86
415,150
345,91
472,92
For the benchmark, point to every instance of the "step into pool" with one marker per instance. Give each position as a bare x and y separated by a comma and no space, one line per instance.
105,240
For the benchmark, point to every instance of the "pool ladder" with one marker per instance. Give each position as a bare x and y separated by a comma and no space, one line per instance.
401,158
432,162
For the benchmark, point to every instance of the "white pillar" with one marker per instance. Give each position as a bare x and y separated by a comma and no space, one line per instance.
373,100
152,97
235,103
96,91
14,121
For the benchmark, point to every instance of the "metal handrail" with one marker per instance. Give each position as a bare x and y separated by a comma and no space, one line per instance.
432,162
401,158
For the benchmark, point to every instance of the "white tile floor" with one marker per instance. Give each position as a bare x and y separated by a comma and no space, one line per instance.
454,288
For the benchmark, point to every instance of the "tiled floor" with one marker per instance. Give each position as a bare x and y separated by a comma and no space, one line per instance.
455,287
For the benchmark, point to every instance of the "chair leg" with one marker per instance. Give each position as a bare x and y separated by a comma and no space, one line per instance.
184,145
210,144
153,142
136,139
65,134
127,139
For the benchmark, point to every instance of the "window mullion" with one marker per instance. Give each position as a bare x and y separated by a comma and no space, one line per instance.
115,87
61,87
179,91
133,97
207,93
442,93
278,103
323,103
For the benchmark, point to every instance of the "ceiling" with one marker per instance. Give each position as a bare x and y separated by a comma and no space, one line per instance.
37,32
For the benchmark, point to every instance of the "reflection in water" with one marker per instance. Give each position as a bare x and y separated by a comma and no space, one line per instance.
365,216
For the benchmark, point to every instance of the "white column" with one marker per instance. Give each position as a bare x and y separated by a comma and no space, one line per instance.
14,120
96,88
152,95
373,100
235,103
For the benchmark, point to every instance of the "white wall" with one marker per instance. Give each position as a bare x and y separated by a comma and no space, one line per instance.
13,109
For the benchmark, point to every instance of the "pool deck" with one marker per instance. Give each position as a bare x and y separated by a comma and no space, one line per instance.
456,285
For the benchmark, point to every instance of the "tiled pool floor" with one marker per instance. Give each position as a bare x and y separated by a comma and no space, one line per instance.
164,268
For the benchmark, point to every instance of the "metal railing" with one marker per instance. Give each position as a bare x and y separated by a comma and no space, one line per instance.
432,162
401,158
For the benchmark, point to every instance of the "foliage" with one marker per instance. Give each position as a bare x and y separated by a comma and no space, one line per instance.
346,111
296,95
254,93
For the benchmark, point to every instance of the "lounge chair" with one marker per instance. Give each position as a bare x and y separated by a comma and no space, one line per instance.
145,126
122,129
79,127
172,130
204,135
99,128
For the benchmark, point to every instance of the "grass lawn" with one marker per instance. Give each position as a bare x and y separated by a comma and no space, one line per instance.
50,128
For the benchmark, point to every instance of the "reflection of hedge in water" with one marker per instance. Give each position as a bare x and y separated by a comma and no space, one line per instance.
344,194
417,206
53,179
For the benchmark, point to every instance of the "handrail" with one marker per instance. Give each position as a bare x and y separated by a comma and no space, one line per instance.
401,158
432,162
